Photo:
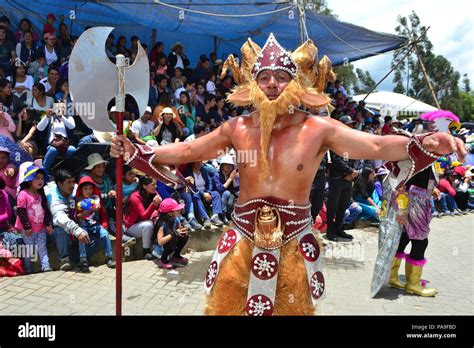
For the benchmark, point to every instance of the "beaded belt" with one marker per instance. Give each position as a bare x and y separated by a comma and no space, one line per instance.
256,219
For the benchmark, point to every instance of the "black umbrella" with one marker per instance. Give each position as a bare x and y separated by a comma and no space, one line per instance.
78,160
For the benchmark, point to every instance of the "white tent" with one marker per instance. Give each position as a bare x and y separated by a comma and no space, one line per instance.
390,103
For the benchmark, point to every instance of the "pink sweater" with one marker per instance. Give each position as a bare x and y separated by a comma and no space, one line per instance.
9,127
137,211
445,186
5,210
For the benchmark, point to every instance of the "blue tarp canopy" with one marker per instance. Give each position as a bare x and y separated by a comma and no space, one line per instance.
205,26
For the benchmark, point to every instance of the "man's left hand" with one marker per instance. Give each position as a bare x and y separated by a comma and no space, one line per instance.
444,143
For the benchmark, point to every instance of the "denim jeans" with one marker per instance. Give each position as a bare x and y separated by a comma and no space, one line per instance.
52,152
352,213
194,203
447,202
96,233
62,241
228,202
37,239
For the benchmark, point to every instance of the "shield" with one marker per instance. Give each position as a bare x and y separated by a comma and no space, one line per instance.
93,79
17,154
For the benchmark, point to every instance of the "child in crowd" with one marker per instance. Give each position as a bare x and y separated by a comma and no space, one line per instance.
91,216
33,216
130,181
172,236
39,68
8,172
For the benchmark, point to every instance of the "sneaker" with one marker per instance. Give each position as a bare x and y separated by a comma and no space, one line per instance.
47,269
216,221
110,263
225,221
461,212
207,224
186,224
84,266
194,224
148,256
127,240
337,239
163,265
65,264
455,213
179,260
435,214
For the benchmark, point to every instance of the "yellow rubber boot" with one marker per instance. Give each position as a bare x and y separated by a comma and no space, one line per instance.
394,281
413,270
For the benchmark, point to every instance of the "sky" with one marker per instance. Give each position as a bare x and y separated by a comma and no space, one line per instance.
451,30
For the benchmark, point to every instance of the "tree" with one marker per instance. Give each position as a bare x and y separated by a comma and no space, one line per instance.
365,82
346,74
466,83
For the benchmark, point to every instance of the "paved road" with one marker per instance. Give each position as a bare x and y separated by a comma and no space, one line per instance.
150,290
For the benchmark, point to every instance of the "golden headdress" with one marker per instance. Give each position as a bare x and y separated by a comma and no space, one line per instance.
306,88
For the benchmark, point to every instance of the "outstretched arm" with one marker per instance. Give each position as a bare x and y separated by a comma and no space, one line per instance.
203,148
354,144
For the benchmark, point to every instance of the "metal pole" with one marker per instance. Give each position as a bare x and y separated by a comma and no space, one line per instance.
300,29
120,106
408,76
427,78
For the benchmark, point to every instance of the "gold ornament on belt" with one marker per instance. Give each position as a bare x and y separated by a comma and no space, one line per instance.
268,231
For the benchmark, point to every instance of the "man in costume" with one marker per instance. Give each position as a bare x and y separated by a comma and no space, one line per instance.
269,262
411,203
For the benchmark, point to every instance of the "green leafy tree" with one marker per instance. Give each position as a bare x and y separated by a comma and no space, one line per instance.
466,83
365,82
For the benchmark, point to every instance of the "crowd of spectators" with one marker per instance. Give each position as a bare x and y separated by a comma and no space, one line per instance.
41,202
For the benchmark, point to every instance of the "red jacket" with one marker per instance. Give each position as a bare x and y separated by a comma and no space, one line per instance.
102,213
445,186
136,211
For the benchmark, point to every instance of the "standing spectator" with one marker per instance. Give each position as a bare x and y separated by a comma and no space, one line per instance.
7,53
168,130
201,73
208,114
8,172
364,188
7,126
56,126
33,216
27,50
91,216
38,69
206,193
171,235
318,188
143,127
177,58
134,48
338,87
121,47
64,42
25,27
227,183
61,204
178,80
11,103
49,26
22,84
387,126
5,23
110,49
49,49
187,113
49,82
156,51
141,210
162,66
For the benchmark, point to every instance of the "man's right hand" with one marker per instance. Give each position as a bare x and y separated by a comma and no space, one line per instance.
121,146
84,238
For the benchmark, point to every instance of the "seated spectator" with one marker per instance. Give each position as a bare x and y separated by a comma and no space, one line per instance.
25,27
227,183
171,235
26,133
351,214
168,130
201,73
38,68
130,182
338,87
11,103
162,66
110,49
178,79
211,84
387,126
8,172
7,52
33,216
187,113
198,98
91,216
49,49
156,51
7,126
177,58
121,48
64,41
204,193
208,114
49,82
363,190
380,177
144,127
39,103
187,87
446,186
6,211
62,93
199,130
27,50
22,84
141,211
56,127
221,111
330,90
49,25
162,89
